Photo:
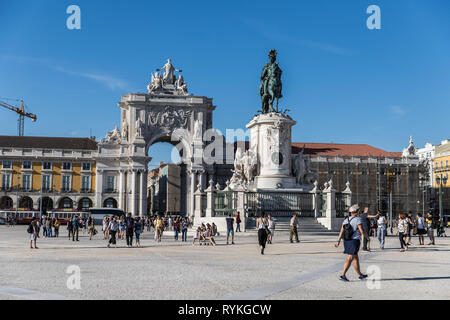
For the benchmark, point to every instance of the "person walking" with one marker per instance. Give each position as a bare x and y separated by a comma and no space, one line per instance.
176,228
411,226
293,229
75,227
230,228
33,230
44,227
69,228
421,229
238,222
105,224
365,220
430,228
122,228
351,231
261,226
184,229
138,228
91,227
159,226
129,223
271,225
381,229
57,225
113,227
402,230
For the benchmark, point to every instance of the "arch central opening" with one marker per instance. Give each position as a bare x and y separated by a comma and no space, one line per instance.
166,178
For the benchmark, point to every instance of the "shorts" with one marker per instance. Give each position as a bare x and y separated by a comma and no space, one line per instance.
33,236
352,246
230,231
272,232
421,232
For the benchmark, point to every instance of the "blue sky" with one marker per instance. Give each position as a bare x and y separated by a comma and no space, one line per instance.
342,82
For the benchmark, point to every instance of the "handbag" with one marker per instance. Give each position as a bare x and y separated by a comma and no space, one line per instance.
268,231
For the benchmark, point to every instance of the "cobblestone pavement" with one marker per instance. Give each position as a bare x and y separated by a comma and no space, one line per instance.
175,270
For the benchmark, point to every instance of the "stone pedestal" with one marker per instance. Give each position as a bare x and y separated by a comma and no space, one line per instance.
271,141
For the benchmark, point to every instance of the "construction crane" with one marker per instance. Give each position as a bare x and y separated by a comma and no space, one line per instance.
22,114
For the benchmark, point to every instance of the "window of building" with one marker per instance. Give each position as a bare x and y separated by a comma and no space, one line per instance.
47,166
110,183
26,182
446,164
442,165
67,166
46,182
85,183
66,184
437,165
6,181
86,166
7,164
26,165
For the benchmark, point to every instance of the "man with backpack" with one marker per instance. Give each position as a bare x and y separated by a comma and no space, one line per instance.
351,232
33,231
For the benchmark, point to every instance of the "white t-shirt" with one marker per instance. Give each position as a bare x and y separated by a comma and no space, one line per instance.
381,222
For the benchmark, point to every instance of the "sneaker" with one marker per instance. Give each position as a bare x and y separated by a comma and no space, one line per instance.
362,276
232,243
344,278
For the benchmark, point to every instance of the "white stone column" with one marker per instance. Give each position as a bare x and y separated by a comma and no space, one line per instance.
132,207
198,204
210,199
121,187
98,189
192,192
143,194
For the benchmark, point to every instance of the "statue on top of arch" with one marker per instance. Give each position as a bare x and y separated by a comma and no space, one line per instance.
167,83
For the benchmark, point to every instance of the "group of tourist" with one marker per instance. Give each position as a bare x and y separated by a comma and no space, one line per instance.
124,226
205,234
10,221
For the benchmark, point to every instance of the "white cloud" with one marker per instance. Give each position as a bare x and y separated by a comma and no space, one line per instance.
104,79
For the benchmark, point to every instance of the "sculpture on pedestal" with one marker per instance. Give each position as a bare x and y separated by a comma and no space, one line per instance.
245,165
169,77
112,136
181,85
271,86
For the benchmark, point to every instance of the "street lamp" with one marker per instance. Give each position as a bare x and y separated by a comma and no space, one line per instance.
441,181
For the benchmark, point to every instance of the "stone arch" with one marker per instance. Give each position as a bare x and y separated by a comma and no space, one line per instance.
85,204
65,203
26,203
47,204
183,141
110,203
6,203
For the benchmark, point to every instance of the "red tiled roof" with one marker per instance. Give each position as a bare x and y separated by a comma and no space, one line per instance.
337,149
47,143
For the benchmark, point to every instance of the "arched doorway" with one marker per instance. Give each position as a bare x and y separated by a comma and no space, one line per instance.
110,203
6,203
47,204
84,204
26,203
65,203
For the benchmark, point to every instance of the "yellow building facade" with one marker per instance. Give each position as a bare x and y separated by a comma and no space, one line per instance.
441,163
57,173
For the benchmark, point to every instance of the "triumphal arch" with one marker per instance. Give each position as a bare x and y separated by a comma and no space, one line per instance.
166,113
